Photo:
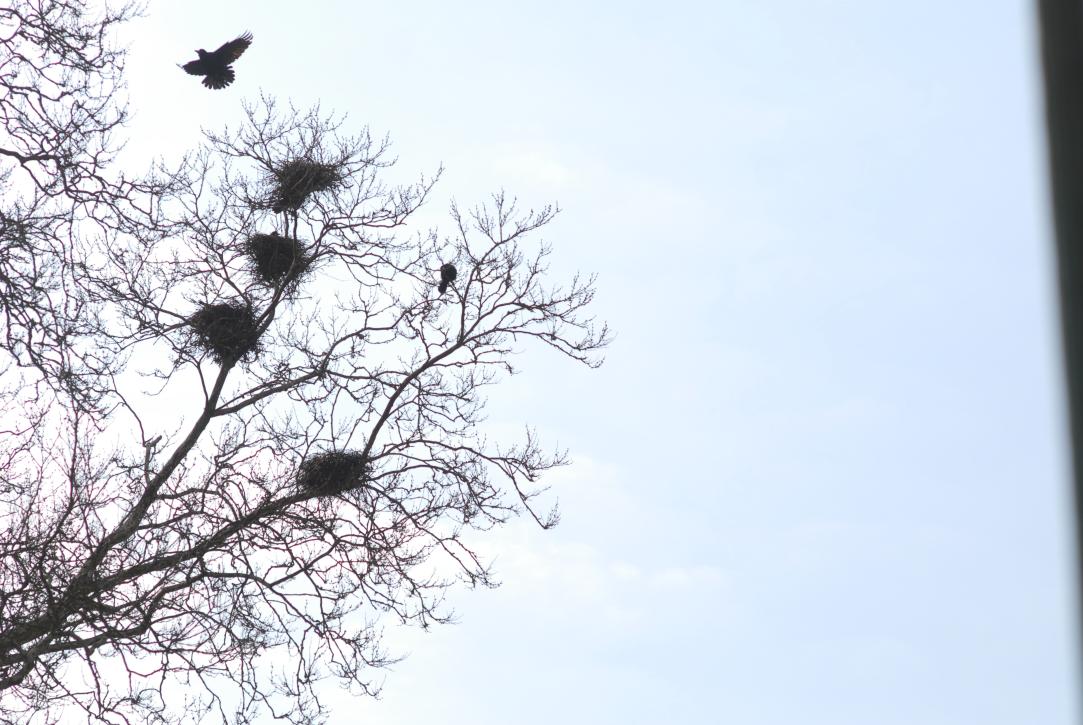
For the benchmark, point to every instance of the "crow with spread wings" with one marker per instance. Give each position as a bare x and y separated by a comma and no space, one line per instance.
216,66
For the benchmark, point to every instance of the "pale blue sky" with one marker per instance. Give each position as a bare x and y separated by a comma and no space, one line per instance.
821,479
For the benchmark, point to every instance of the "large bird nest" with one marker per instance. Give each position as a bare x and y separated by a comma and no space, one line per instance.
276,258
333,472
299,179
227,330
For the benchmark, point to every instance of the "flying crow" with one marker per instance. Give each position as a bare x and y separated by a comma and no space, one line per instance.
448,273
216,66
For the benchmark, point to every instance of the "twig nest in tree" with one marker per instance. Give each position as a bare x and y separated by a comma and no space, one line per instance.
296,180
333,472
226,330
275,257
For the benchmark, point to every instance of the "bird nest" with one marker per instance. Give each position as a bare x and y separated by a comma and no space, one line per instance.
333,472
299,179
227,330
276,258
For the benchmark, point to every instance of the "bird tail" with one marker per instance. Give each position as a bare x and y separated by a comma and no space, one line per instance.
442,286
220,79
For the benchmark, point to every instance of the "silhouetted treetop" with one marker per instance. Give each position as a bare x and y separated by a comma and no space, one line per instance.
288,456
242,425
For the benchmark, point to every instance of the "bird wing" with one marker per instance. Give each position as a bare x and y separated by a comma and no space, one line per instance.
195,67
233,50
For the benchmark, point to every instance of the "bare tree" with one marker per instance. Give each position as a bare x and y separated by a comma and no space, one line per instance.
60,111
294,449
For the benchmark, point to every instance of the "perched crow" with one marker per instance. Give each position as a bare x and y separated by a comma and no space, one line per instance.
216,66
448,273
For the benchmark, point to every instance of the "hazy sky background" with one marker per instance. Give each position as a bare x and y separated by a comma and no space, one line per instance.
822,477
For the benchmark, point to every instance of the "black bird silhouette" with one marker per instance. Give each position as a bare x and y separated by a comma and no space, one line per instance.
216,66
448,273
